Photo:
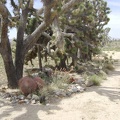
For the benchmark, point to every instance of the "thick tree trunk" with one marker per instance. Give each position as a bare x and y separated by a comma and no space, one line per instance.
20,53
62,64
5,49
39,57
10,71
9,66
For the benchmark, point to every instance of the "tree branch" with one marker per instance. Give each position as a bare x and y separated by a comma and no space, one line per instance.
31,39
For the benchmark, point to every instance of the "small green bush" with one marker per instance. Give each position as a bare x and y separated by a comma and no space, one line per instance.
95,79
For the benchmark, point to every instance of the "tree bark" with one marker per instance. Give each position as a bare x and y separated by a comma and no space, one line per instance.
5,49
9,68
20,54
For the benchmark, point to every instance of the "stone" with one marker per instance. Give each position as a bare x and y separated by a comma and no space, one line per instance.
80,89
35,97
60,93
27,101
79,81
33,102
21,97
68,93
89,83
7,95
29,96
21,101
74,89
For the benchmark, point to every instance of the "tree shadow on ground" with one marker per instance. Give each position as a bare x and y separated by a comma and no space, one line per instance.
112,93
114,73
25,112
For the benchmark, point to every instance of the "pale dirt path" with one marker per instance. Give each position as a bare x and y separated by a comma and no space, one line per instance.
97,103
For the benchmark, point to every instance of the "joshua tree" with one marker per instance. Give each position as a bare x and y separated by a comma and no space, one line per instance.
22,11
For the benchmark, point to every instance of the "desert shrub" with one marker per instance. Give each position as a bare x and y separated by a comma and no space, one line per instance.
95,79
102,74
59,80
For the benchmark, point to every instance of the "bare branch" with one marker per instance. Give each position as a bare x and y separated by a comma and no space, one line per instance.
39,12
3,11
4,24
46,35
48,19
68,5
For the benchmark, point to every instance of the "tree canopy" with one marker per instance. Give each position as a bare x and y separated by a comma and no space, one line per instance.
70,28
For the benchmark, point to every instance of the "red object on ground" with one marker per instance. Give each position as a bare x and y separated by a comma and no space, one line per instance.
39,81
27,85
71,80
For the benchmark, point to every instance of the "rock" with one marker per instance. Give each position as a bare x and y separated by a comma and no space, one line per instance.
33,102
9,99
89,83
74,89
21,101
60,93
29,96
42,99
7,95
14,101
47,104
79,81
21,97
68,93
80,89
83,86
27,101
35,97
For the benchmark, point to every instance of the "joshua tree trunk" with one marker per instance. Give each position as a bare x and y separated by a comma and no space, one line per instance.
10,69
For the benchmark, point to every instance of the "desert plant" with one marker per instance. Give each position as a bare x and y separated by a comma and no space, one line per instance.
59,81
95,79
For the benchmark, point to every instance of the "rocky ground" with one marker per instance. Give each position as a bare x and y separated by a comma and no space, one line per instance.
96,103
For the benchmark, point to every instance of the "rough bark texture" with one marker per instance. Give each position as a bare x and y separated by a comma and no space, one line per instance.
15,71
5,50
19,58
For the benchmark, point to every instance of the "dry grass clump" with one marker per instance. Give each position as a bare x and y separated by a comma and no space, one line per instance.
59,80
95,79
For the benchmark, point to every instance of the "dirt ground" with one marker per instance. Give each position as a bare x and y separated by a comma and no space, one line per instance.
96,103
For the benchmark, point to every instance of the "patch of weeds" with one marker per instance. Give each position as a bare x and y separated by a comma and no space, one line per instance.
95,79
59,80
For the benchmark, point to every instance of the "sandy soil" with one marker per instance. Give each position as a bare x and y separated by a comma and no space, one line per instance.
97,103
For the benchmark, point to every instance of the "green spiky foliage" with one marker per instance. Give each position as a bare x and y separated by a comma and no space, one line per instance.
85,21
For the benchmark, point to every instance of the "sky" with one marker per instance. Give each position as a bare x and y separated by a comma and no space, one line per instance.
114,16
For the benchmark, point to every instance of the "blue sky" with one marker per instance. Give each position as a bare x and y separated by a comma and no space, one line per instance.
114,16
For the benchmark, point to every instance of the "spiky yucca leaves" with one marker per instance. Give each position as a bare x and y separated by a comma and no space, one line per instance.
86,21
